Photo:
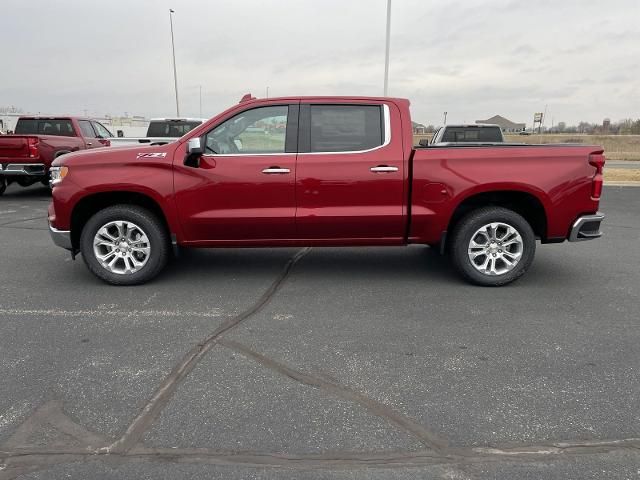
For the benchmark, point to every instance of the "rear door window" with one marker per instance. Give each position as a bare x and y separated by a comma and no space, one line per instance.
39,126
346,128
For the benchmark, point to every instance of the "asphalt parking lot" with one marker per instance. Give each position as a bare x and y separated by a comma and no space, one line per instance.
364,363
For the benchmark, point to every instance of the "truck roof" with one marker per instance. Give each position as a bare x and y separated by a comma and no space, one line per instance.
472,125
52,117
181,119
329,98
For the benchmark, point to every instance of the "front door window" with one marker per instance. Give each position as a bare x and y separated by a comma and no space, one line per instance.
257,131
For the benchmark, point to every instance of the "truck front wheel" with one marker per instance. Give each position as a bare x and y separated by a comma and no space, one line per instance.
492,246
124,245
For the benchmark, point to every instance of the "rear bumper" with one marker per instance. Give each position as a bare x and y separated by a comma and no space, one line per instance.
61,238
31,169
586,227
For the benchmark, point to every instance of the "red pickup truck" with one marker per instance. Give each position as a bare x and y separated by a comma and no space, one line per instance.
323,171
25,157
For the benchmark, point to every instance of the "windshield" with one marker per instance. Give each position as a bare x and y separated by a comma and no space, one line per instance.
171,128
472,134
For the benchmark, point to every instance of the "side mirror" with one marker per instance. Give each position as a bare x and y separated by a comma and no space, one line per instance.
194,147
194,150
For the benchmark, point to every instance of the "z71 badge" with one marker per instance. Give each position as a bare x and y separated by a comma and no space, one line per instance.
152,155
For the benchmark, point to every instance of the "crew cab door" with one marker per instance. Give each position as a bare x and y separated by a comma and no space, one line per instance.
243,188
89,135
351,173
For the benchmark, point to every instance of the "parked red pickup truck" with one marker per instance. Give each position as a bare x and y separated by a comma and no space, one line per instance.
25,157
324,171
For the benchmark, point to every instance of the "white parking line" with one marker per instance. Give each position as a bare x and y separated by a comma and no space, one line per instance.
54,312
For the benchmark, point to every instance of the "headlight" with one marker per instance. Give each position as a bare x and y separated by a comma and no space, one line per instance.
58,174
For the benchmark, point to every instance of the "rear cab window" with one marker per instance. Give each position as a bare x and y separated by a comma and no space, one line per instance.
39,126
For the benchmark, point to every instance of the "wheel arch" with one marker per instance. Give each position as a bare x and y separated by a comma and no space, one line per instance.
525,203
91,204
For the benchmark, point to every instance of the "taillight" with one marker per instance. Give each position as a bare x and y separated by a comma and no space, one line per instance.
33,147
597,160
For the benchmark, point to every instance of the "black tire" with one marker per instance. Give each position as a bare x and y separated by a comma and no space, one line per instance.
3,185
153,228
26,181
465,231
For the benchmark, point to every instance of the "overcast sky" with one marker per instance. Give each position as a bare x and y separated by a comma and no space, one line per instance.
472,58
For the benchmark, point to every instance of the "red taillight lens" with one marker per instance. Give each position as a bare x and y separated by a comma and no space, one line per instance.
596,186
33,147
597,160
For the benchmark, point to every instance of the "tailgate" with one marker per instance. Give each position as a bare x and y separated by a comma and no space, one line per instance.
14,146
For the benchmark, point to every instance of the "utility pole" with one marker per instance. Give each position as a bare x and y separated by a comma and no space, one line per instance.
386,55
445,118
200,101
175,73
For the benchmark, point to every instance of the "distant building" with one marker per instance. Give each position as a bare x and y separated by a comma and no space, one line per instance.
505,124
418,128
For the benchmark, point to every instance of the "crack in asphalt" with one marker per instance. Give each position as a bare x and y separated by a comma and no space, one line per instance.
630,227
40,217
21,461
13,227
167,388
427,438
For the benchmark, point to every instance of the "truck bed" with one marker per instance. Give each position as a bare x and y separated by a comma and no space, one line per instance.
560,176
15,146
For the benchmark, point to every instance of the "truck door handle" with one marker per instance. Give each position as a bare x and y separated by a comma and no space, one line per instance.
89,143
276,171
383,169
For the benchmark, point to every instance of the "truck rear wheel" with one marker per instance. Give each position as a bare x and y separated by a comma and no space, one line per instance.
124,245
492,246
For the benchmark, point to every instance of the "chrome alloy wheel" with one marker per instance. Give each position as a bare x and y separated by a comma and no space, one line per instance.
495,248
121,247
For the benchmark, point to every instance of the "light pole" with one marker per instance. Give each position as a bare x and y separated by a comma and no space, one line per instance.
175,73
386,55
445,118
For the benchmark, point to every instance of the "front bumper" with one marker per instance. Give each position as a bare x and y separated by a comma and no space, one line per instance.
61,238
30,169
586,227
